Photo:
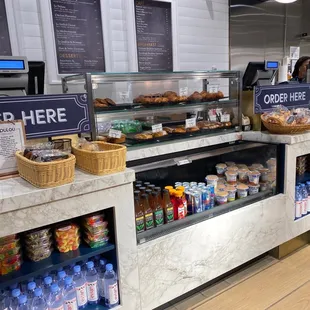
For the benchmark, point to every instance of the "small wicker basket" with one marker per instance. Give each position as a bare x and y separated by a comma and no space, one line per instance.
45,175
277,127
110,159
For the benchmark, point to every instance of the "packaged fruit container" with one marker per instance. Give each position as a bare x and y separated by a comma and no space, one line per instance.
67,238
97,244
96,237
96,228
7,239
6,254
7,268
39,254
37,234
66,245
95,218
9,246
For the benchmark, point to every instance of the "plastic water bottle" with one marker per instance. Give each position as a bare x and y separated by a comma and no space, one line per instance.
84,267
56,301
5,300
23,303
30,291
15,295
298,203
92,284
304,194
39,302
70,300
47,285
101,273
61,278
308,191
70,270
80,286
111,287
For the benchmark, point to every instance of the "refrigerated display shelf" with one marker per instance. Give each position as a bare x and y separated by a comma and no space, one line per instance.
303,178
55,261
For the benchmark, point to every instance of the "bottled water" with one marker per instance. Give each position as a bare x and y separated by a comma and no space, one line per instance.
47,285
308,190
23,303
39,302
61,278
101,278
56,301
70,270
304,194
84,267
92,284
70,300
298,203
31,287
111,287
14,301
80,286
5,300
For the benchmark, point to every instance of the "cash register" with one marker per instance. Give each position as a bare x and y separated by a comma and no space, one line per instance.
13,76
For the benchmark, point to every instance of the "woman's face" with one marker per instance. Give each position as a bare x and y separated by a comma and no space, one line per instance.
303,69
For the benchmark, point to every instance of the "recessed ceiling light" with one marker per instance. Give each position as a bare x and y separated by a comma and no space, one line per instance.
286,1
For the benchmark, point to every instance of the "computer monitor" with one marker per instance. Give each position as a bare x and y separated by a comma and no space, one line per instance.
36,77
259,73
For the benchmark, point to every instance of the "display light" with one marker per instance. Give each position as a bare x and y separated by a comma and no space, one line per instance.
286,1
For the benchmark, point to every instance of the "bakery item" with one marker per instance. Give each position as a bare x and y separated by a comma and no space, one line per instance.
102,138
220,95
165,100
193,129
179,130
173,99
110,102
160,134
204,94
168,129
122,139
170,94
143,136
195,97
158,100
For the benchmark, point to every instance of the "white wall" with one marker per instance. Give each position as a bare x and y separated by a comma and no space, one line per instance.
202,31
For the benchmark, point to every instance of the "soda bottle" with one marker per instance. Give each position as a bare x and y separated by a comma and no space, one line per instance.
39,302
157,209
168,207
61,278
111,287
56,301
92,284
22,303
69,293
80,286
304,194
148,212
298,203
30,291
14,302
139,215
308,201
101,273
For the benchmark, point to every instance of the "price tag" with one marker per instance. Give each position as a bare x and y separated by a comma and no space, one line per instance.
115,133
184,91
212,118
157,128
213,88
184,162
190,122
225,118
124,97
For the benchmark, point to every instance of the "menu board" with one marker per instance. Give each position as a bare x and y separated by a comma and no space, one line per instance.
78,36
154,35
5,44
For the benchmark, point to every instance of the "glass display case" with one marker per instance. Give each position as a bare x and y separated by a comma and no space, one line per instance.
155,107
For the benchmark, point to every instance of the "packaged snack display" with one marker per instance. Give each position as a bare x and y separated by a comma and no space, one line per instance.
96,228
11,245
7,239
10,264
67,237
34,235
38,254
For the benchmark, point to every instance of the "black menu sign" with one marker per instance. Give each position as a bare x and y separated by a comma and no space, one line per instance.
5,44
154,35
78,35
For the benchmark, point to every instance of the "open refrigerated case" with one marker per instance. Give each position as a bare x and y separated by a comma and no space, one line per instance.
151,108
194,165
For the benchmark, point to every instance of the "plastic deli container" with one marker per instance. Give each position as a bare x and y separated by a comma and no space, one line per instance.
67,238
242,191
10,264
7,239
230,163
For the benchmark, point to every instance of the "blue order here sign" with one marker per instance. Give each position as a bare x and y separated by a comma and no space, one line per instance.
48,115
266,98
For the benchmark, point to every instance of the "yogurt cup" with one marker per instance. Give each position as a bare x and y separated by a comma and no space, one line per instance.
242,191
231,190
253,189
242,166
264,174
257,166
230,163
231,177
212,180
254,177
243,175
220,169
232,168
264,186
221,197
221,187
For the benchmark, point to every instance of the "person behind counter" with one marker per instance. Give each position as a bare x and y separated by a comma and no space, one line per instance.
300,70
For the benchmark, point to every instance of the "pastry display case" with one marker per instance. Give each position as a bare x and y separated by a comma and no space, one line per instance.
142,109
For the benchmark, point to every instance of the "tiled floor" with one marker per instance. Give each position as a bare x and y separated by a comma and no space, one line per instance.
266,284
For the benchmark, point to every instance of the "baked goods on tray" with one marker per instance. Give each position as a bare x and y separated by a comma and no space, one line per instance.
122,139
144,136
103,103
160,134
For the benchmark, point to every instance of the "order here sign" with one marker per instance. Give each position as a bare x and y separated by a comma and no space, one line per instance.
267,98
48,115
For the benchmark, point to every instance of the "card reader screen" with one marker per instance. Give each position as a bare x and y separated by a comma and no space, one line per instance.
272,65
12,64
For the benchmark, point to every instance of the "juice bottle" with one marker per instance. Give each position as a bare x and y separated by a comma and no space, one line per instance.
148,212
168,207
139,215
179,212
149,195
157,209
142,189
160,198
182,189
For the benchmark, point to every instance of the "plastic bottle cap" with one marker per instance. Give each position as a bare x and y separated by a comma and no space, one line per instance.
38,292
102,262
61,274
109,267
179,194
68,280
48,280
77,268
54,288
16,292
90,264
22,299
31,286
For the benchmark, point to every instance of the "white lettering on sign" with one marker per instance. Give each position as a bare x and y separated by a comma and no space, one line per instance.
284,97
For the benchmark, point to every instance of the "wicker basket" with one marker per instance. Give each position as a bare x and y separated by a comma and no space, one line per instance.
277,127
110,159
45,175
